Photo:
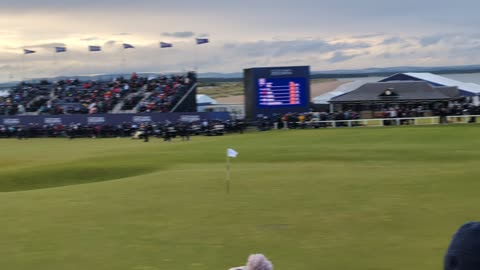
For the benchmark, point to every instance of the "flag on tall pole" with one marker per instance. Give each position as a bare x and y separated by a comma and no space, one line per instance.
165,45
25,52
60,49
202,41
125,47
94,48
230,154
198,41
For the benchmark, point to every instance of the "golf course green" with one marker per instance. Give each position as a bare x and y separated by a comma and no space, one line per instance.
348,199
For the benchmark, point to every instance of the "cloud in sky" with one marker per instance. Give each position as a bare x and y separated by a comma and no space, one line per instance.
44,45
341,57
89,39
184,34
326,34
279,48
392,40
110,43
229,56
431,40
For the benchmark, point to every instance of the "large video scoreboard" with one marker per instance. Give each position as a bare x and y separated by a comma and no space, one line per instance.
276,90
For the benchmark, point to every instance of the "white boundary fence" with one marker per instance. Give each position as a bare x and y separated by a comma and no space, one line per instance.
381,122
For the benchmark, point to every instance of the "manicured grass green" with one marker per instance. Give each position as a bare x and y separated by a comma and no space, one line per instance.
360,198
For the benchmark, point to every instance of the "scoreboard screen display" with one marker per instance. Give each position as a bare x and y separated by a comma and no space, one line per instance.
281,92
276,90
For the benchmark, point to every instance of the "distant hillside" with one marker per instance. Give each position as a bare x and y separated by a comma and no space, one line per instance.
353,73
384,72
210,77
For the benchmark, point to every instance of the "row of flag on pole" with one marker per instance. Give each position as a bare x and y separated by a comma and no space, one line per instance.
199,41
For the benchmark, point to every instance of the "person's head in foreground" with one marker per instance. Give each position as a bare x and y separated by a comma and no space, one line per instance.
464,250
256,262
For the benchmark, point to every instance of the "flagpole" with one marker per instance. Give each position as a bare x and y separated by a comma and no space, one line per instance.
123,62
195,57
228,174
55,69
230,154
23,66
198,41
195,68
66,64
90,66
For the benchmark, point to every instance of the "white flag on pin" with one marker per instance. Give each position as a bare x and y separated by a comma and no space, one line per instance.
232,153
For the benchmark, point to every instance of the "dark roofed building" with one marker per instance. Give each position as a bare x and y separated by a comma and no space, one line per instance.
401,91
401,95
466,89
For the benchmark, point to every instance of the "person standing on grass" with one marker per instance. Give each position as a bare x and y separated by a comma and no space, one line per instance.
184,131
144,127
20,132
166,134
69,132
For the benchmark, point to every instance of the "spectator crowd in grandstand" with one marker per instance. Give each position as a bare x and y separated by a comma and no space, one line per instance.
137,93
25,98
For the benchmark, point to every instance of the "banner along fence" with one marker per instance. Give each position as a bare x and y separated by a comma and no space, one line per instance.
110,119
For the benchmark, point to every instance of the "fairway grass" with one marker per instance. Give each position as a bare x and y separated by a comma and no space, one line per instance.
350,199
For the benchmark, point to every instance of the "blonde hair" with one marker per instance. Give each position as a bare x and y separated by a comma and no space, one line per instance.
258,262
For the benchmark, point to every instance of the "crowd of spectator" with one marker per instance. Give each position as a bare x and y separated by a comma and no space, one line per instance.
458,109
73,96
400,112
303,120
25,97
169,129
398,115
453,109
164,92
142,94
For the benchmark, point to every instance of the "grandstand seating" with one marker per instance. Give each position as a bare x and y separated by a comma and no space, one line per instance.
136,94
25,97
164,93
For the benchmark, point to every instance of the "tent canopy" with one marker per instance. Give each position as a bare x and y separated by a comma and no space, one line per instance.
205,100
466,89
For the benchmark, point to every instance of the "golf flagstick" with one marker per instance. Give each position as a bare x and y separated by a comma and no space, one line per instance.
228,174
230,154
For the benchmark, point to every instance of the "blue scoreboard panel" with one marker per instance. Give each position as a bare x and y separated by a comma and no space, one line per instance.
281,92
276,90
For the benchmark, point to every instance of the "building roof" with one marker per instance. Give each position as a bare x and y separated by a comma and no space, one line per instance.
342,89
397,90
467,89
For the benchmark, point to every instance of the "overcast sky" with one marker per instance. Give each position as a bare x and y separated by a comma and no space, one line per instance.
325,34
